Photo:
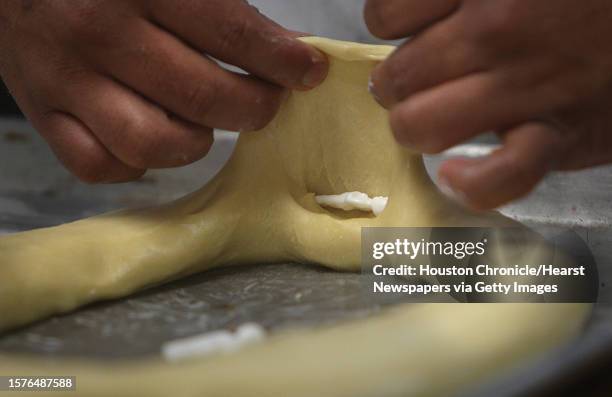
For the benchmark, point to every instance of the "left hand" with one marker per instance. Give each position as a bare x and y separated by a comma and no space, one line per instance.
537,72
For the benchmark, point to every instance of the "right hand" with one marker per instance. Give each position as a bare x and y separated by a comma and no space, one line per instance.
473,66
117,87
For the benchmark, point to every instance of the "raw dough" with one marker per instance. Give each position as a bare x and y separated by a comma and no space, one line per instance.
261,208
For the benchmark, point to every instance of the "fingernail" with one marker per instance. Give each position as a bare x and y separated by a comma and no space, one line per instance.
317,72
371,90
452,193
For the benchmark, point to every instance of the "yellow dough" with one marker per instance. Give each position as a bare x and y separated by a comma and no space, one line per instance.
261,208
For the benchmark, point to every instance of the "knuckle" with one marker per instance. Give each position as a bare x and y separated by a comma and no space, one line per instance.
136,139
67,70
235,34
81,19
499,23
93,23
202,99
157,148
129,126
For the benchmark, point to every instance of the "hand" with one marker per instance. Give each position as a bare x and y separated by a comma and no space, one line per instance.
537,72
117,87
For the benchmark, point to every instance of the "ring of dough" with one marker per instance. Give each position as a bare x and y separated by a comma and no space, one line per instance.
261,208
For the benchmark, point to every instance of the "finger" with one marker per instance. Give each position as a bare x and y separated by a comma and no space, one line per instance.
236,33
439,118
395,19
137,132
75,146
80,151
434,57
167,72
529,152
